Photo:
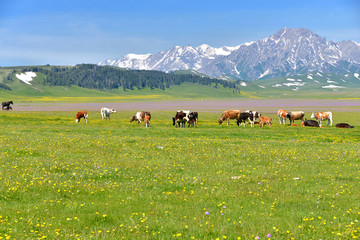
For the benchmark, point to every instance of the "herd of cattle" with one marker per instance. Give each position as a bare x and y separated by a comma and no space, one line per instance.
183,117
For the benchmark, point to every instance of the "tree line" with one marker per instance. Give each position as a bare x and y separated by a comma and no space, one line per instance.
108,77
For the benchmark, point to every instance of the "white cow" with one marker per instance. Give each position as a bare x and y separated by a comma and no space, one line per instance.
106,112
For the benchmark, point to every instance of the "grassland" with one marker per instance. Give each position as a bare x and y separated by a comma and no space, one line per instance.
117,180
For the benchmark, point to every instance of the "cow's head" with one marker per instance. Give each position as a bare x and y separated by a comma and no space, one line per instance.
133,118
288,115
220,121
112,110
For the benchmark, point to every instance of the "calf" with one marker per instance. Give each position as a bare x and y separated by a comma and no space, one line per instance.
106,112
282,115
147,120
140,116
292,116
264,120
229,114
310,123
245,116
6,104
82,114
192,119
343,125
323,116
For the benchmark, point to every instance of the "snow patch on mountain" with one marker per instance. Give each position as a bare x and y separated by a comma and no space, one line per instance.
26,77
333,86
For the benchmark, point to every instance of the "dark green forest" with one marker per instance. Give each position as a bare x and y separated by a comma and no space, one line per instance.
107,77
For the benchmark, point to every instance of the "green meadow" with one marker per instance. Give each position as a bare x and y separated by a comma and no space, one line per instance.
119,180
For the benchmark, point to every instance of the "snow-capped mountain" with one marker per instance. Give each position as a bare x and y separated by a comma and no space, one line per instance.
288,52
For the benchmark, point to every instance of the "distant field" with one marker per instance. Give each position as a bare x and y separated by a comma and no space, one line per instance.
115,179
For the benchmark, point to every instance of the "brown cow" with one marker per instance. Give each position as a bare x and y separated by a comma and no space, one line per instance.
140,116
292,116
82,114
264,120
282,115
147,120
229,114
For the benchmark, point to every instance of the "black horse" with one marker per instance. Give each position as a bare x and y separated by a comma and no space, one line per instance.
7,105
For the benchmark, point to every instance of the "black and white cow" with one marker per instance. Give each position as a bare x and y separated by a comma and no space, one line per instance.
7,105
256,114
245,116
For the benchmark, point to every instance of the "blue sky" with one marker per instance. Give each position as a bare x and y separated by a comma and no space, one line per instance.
60,32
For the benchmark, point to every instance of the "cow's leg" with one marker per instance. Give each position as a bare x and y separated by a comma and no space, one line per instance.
280,119
251,123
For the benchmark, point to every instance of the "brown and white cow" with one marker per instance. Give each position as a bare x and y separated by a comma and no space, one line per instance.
229,114
282,115
185,116
321,116
82,114
192,119
264,120
179,120
140,116
298,115
106,112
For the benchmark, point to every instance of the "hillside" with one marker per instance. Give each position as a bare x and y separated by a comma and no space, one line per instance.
90,83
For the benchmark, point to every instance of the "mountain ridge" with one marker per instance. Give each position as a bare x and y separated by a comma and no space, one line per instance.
287,52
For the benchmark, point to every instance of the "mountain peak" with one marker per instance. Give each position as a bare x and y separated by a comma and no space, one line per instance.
287,52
